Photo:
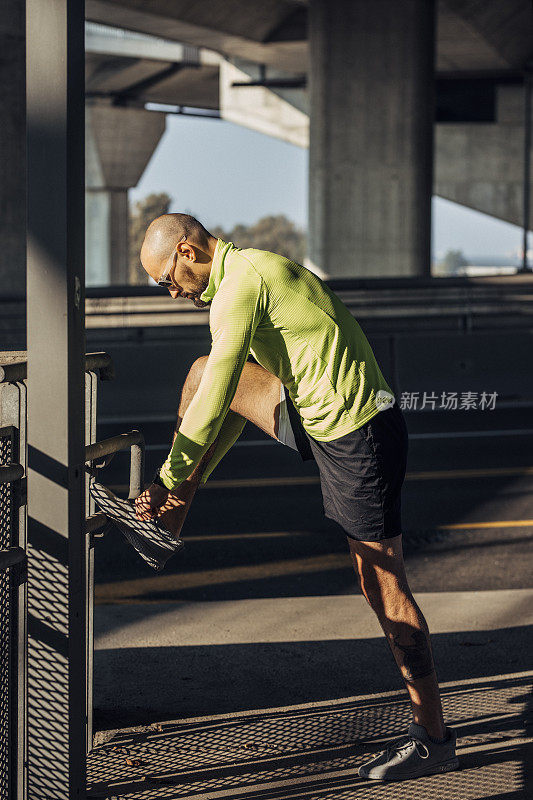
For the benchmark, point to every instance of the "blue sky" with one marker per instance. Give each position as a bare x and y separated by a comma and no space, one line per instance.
225,174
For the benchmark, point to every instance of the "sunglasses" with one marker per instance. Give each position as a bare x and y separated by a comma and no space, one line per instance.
165,279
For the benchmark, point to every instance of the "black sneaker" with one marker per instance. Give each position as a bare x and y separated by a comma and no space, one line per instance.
412,756
148,537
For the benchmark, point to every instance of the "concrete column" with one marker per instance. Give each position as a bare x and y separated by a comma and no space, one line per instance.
12,149
370,157
106,250
119,144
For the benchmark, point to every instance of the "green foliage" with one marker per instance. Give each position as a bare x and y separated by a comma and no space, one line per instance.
452,261
141,215
276,233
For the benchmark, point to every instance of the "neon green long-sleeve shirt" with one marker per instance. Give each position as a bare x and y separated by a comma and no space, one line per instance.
295,327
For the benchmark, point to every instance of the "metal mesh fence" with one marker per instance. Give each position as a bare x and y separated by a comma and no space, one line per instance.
48,700
5,627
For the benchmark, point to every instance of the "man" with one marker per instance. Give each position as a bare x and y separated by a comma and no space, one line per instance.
316,386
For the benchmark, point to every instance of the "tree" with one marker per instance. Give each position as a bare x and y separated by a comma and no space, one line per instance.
276,233
453,261
141,215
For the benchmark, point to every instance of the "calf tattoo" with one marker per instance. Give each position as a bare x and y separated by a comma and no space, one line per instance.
417,659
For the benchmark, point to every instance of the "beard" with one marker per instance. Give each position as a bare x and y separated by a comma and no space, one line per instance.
200,285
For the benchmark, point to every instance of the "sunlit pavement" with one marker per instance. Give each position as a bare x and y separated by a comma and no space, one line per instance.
262,612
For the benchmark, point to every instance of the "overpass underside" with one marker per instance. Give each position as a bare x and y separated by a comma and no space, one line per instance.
396,99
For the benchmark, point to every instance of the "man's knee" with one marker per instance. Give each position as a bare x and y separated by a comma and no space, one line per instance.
196,371
192,382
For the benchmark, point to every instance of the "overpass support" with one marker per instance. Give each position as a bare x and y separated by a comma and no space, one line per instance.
371,122
119,143
481,165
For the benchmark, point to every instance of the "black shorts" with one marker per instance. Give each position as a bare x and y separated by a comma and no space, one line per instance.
361,473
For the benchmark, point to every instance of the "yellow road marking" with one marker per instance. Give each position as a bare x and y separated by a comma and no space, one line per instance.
136,587
311,480
307,480
506,523
511,523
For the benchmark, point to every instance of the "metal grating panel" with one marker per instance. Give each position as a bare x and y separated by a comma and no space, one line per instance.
313,753
48,700
5,627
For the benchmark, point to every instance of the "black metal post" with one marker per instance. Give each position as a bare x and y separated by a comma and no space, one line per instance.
56,358
527,170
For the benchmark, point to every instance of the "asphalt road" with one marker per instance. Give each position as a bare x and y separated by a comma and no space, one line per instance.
257,529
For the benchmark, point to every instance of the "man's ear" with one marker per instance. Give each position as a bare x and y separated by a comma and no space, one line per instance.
187,250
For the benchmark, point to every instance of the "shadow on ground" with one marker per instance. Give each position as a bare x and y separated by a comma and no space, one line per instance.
149,684
313,751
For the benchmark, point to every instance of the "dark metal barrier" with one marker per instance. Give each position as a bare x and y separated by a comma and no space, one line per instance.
12,621
33,666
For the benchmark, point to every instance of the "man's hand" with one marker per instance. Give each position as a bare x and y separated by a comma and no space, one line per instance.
148,503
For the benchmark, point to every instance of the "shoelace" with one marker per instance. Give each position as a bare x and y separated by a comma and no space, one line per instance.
403,742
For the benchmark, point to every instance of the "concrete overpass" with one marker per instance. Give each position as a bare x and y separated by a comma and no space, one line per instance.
355,82
362,84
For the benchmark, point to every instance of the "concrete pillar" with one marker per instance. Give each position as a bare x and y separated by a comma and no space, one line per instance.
119,143
370,157
12,149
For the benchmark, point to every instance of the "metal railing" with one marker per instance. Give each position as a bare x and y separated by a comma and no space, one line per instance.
32,576
13,637
100,454
97,456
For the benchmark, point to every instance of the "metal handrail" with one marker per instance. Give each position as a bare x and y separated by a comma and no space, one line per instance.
11,557
10,473
134,440
18,370
95,522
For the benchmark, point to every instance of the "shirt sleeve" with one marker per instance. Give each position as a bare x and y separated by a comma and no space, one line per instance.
235,313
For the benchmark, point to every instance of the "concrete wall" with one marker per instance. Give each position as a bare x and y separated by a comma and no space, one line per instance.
481,165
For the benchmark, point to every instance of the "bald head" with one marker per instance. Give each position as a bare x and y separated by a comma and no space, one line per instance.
162,236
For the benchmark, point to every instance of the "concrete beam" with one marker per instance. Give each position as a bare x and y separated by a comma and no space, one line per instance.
503,30
233,30
119,144
104,40
481,165
260,108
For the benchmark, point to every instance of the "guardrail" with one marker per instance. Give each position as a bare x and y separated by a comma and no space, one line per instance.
16,369
99,454
30,572
13,562
10,557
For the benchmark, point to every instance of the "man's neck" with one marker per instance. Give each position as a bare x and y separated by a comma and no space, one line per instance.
212,247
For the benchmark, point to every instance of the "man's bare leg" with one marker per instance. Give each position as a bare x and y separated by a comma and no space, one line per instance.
381,572
256,400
